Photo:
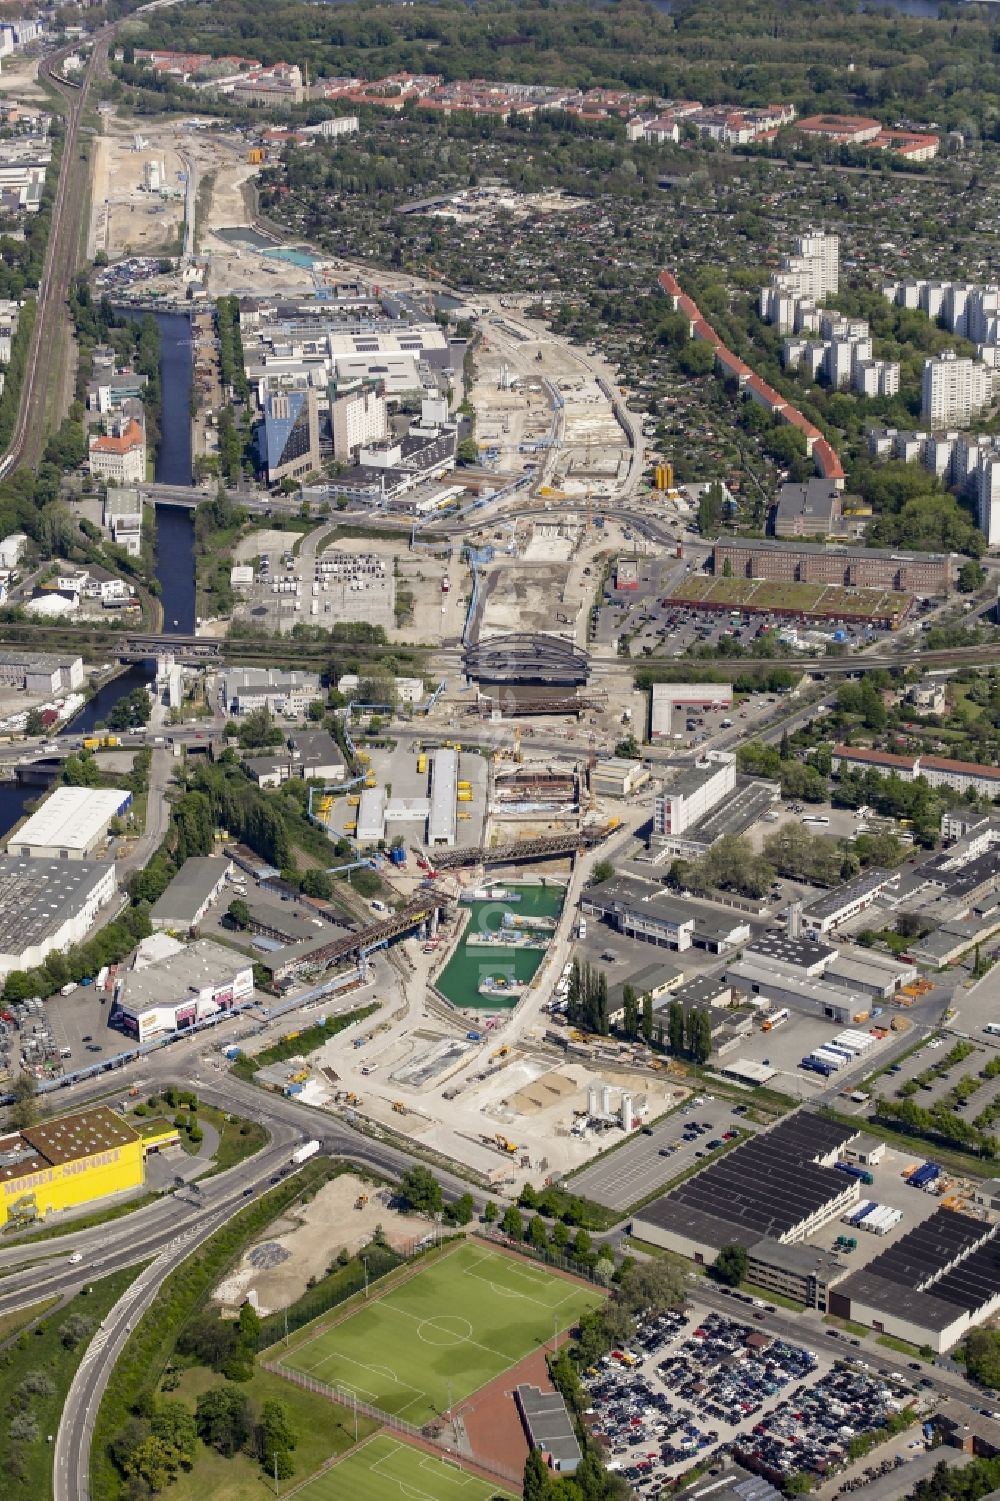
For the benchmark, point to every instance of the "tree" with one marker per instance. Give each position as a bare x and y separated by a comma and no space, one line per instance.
603,871
647,1017
538,1235
277,1438
224,1419
582,1244
74,1329
461,1211
971,576
239,914
982,1356
730,1266
490,1212
630,1006
537,1485
24,1110
675,1028
175,1426
512,1223
34,725
467,452
658,1285
249,1326
420,1191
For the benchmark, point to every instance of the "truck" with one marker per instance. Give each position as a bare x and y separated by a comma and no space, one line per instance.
446,586
303,1153
102,977
853,1171
398,855
814,1066
825,1055
68,988
770,1022
91,742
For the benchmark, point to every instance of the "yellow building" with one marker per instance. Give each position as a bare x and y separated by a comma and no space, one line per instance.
75,1160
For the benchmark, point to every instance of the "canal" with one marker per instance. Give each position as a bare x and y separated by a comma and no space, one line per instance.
174,526
473,964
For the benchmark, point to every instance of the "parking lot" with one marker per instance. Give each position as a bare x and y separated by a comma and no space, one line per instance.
936,1081
810,1431
644,1164
784,1048
687,1386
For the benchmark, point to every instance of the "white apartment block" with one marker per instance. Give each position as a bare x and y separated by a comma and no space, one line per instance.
876,377
357,418
954,390
988,499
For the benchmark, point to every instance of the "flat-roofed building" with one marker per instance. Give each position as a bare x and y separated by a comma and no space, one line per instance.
804,1273
174,994
191,892
693,794
70,824
48,904
819,563
442,821
549,1427
618,776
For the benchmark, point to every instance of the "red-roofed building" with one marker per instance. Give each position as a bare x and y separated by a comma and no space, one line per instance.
828,463
860,758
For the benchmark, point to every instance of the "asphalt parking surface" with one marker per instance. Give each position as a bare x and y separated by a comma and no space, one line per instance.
636,1170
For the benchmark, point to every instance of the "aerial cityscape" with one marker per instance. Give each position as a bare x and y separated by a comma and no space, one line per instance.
499,750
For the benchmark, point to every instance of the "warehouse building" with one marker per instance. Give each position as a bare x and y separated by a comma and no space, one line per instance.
645,911
688,697
175,993
780,1185
442,820
40,672
191,892
838,906
931,1286
852,969
78,1159
617,776
46,905
811,996
70,824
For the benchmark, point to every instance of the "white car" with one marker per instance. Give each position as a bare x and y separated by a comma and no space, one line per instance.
76,1257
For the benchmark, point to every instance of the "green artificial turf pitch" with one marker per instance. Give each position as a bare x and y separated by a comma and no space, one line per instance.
459,1322
385,1469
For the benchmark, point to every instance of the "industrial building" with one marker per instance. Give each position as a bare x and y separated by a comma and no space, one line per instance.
70,824
693,794
688,697
40,672
931,1285
819,563
271,688
788,987
615,776
844,902
191,892
645,911
801,1272
780,1185
173,994
66,1163
851,969
442,820
46,905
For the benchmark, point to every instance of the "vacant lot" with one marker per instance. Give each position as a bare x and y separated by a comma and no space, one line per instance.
444,1332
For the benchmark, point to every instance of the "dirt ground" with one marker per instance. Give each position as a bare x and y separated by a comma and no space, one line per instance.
126,218
276,1270
20,80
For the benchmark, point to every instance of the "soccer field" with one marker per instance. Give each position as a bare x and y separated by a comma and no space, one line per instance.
385,1469
457,1323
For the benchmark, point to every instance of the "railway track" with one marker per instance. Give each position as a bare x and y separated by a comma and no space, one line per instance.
28,439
